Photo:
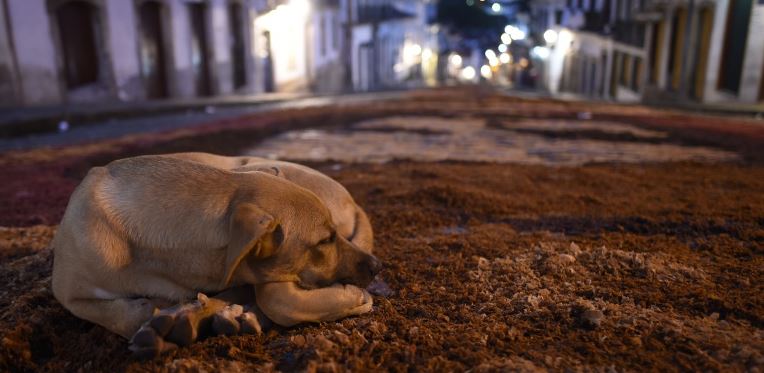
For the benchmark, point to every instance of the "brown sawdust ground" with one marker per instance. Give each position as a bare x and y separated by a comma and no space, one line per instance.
492,267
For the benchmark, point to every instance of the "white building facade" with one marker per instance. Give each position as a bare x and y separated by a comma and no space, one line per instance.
631,50
55,52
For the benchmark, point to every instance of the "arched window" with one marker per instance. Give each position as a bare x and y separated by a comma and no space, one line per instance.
78,28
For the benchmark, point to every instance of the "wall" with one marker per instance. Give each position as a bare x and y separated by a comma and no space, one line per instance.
35,54
121,43
8,93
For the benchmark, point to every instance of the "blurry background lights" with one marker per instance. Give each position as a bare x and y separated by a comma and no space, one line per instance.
502,48
485,72
496,7
564,38
490,54
514,32
505,58
550,36
540,52
506,39
455,60
468,73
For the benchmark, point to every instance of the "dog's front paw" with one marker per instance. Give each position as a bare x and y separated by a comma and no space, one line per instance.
352,301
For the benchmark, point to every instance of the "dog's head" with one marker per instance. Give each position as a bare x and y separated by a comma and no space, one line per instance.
281,232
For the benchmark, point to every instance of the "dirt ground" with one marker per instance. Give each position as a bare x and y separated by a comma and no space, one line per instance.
653,266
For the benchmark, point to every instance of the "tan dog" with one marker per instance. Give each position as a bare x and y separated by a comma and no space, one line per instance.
145,232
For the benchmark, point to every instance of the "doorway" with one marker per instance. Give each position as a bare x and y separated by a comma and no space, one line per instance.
200,65
77,28
152,50
237,44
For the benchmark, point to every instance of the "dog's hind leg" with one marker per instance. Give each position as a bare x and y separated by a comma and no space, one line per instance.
123,316
287,304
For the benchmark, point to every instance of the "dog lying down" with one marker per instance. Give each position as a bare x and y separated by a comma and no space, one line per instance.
143,239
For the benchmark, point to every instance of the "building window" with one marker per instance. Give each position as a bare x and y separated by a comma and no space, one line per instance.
79,30
735,38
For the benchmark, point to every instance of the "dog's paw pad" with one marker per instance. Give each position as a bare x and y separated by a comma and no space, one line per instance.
225,321
146,344
183,331
162,324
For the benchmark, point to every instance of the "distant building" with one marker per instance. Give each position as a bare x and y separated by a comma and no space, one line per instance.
632,50
389,44
80,51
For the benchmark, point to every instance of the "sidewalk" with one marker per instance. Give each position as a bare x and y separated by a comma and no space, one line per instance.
37,119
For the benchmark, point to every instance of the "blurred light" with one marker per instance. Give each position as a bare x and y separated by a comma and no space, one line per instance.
485,72
514,32
502,48
550,36
299,7
496,7
398,67
468,73
564,38
490,54
505,58
493,62
427,54
506,39
455,60
523,62
541,52
470,2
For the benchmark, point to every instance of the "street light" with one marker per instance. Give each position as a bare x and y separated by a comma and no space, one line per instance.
506,39
550,36
468,73
485,72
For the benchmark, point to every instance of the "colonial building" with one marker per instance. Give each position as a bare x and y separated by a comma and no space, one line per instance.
631,50
79,51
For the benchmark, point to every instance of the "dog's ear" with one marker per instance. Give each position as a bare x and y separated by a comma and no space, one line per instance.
252,232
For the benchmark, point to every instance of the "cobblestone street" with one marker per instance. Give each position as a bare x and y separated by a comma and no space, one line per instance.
517,234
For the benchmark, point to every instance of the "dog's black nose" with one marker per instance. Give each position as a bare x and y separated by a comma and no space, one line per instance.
374,266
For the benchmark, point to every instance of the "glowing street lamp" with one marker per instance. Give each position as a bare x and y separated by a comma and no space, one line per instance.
485,72
455,60
550,36
506,39
468,73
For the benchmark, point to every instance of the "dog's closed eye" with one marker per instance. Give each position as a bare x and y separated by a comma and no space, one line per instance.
328,240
